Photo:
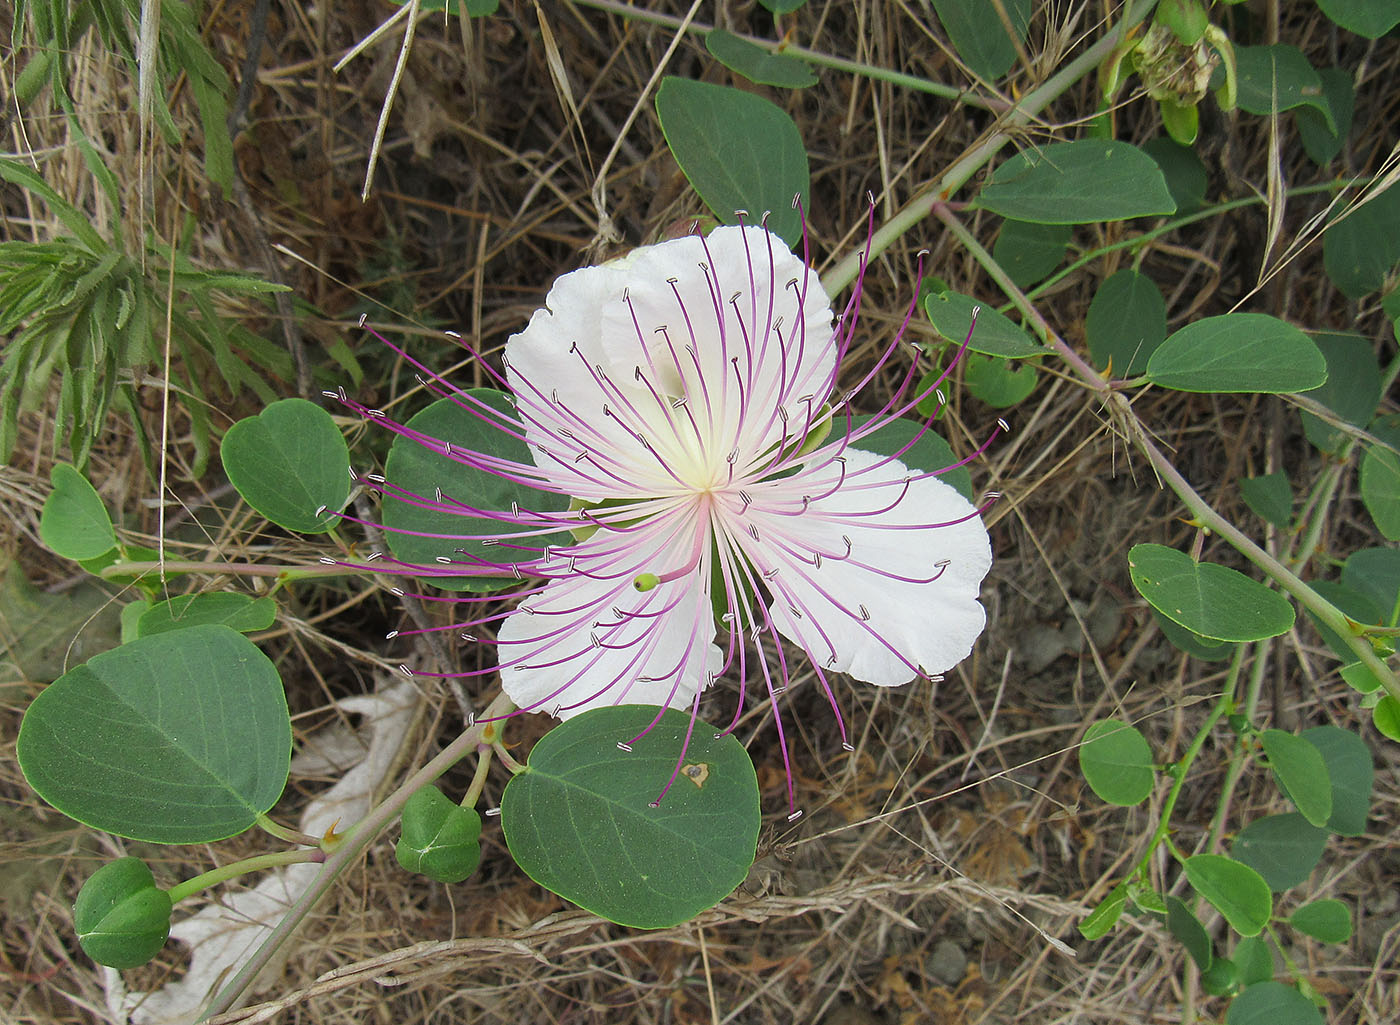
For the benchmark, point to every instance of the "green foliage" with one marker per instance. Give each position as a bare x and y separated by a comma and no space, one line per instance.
581,819
980,37
1272,1003
1126,323
420,535
121,917
86,311
1301,772
757,64
180,737
439,838
1270,496
1283,849
241,612
1362,243
1117,763
1185,174
1321,141
995,334
1238,352
74,523
1211,600
1236,890
997,381
916,445
1278,77
291,464
1078,183
1189,932
1326,920
739,152
1352,390
1028,252
1369,18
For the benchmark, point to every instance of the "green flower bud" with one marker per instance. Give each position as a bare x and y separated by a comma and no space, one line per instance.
439,837
122,918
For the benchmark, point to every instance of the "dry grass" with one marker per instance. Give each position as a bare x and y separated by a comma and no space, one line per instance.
961,815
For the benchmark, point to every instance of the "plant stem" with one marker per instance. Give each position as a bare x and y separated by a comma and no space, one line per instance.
354,844
244,569
286,833
215,876
1030,105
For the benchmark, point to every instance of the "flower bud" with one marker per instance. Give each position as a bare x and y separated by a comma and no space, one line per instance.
121,917
439,837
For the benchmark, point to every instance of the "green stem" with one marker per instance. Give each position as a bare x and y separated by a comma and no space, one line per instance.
507,759
287,833
923,85
483,767
353,845
1030,105
215,876
243,569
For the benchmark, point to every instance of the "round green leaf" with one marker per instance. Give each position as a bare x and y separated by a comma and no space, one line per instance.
739,152
1320,141
1189,932
1117,762
995,335
757,64
998,382
182,737
1380,489
440,837
1272,1003
580,820
1375,573
1301,771
1326,920
290,463
1369,18
1352,776
928,454
241,612
1386,717
1236,891
74,523
121,917
422,470
1028,252
1127,321
1283,849
1214,601
1222,978
1238,352
979,35
1254,961
1361,245
1352,389
1078,183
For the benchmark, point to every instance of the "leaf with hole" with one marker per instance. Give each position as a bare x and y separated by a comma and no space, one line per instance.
1214,601
288,462
1117,763
995,334
581,820
739,152
980,37
241,612
1126,323
1272,1003
1078,183
74,522
1283,849
1327,920
1301,772
758,64
1234,889
182,737
424,529
999,382
1350,773
1238,352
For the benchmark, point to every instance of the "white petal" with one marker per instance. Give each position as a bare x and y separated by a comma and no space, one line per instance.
587,642
857,614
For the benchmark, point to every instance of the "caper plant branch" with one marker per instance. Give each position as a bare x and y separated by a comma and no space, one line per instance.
213,877
917,84
1205,516
353,844
1017,117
